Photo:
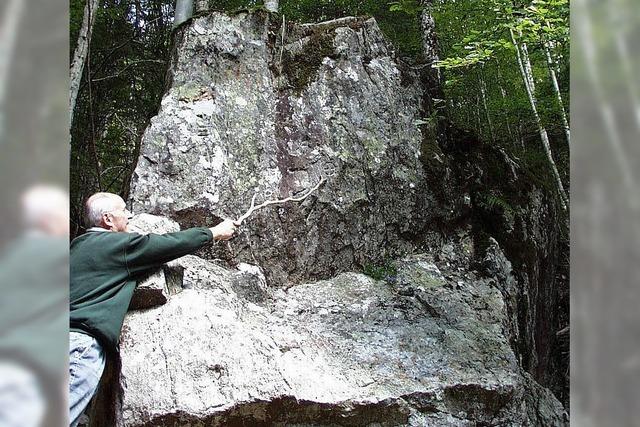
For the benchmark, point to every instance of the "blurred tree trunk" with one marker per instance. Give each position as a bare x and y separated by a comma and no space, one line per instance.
80,53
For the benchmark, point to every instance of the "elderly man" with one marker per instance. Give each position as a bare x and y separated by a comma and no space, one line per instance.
105,265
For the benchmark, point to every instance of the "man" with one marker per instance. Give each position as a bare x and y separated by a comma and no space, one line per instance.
105,264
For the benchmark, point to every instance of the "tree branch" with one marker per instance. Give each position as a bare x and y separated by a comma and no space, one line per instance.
254,208
117,74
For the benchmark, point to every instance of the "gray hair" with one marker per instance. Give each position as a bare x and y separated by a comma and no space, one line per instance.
97,205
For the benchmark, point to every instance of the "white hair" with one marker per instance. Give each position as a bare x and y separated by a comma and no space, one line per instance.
41,202
99,204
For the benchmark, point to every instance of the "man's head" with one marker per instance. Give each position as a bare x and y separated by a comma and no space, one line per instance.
108,211
45,209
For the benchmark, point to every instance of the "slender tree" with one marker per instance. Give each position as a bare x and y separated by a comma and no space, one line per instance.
80,53
483,92
556,87
524,63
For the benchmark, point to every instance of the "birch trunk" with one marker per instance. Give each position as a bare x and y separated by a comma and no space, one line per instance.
556,87
527,75
80,53
429,38
271,5
430,75
478,119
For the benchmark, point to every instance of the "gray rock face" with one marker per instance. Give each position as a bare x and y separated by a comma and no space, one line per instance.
246,113
291,336
419,348
531,233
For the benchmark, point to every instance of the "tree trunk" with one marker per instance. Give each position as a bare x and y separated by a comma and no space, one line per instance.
80,53
429,38
271,5
184,11
8,35
527,76
626,57
556,87
430,76
478,119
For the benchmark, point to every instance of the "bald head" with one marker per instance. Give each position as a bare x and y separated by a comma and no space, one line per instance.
100,207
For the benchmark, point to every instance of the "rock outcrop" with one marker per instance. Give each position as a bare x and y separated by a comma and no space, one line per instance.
279,327
426,345
247,114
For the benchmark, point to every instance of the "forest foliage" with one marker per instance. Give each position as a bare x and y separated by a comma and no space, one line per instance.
485,89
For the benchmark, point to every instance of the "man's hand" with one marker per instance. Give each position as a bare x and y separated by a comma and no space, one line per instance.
225,230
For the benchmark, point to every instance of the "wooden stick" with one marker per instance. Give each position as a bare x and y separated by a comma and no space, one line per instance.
254,208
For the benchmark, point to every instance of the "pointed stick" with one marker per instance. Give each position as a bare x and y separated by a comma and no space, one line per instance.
254,208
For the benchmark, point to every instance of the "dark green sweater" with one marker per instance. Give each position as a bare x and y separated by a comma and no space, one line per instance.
105,267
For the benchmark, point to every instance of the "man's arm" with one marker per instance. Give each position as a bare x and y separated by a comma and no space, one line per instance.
152,250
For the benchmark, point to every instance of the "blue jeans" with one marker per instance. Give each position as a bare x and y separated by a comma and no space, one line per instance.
86,363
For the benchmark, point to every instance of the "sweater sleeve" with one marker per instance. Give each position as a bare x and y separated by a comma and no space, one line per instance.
152,250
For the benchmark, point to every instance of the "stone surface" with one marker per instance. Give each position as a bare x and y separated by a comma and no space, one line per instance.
145,223
421,347
247,114
532,231
291,335
150,292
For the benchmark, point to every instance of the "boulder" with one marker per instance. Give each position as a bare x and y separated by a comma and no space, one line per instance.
248,114
280,327
421,347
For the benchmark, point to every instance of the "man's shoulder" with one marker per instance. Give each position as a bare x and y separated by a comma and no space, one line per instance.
101,238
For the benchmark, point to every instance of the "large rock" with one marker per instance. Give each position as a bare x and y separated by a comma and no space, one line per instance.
290,335
247,114
512,206
425,346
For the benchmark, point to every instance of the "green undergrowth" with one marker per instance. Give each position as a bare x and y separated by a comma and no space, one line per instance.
380,271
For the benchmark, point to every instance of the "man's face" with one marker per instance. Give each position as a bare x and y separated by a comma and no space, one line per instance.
118,219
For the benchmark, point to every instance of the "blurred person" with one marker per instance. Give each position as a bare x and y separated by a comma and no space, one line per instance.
33,312
106,263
